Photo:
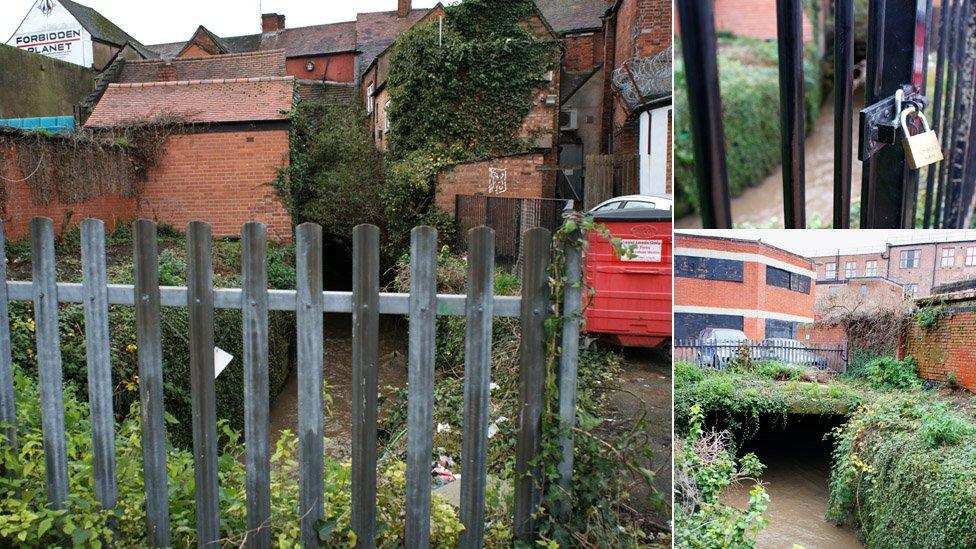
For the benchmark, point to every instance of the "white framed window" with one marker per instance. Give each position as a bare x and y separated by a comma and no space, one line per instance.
870,268
386,117
370,100
830,271
948,257
909,259
971,256
850,271
911,290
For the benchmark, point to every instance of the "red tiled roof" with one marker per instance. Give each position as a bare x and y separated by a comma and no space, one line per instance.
194,101
233,65
317,39
573,15
376,31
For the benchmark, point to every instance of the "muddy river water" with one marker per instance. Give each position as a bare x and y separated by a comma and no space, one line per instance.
796,477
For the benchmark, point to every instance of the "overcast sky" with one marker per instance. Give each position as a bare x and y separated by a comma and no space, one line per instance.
813,242
156,22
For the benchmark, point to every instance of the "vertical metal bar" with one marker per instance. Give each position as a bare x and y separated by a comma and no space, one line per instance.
479,308
254,302
789,32
843,110
931,201
532,379
420,397
568,361
308,264
45,288
705,111
887,198
947,118
8,399
365,337
94,284
149,343
956,212
199,304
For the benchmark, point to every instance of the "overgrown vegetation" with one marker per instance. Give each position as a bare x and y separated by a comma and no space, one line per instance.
599,498
902,473
85,165
749,82
175,329
705,466
26,520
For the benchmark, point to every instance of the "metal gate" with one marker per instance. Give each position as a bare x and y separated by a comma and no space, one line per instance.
900,36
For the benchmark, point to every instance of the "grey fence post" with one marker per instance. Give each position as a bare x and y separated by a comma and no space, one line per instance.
568,361
532,378
149,343
420,398
254,305
308,263
365,338
8,399
49,359
199,304
477,381
95,286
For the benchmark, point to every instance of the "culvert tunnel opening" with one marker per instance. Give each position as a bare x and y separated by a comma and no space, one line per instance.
797,453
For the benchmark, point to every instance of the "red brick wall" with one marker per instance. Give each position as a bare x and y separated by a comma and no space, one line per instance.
334,68
583,51
20,207
222,178
752,18
523,179
946,347
238,65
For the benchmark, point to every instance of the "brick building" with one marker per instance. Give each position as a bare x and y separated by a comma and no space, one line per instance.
219,168
740,284
915,266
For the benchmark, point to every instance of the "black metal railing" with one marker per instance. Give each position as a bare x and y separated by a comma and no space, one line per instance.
508,217
899,36
723,354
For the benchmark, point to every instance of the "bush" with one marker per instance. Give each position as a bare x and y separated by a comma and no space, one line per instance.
900,456
704,468
228,330
886,373
749,82
27,520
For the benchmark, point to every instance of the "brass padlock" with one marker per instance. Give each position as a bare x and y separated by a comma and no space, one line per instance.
921,149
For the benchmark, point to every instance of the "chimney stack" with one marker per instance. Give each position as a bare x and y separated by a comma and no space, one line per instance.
403,8
271,22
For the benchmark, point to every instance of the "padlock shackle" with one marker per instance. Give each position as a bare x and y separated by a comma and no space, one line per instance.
904,119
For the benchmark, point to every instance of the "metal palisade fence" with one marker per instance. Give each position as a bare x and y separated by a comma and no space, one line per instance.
310,302
723,354
900,34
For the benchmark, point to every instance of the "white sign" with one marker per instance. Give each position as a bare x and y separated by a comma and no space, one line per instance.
497,180
221,359
644,250
51,30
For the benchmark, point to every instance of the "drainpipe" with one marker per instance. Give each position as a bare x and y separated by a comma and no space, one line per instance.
644,152
935,261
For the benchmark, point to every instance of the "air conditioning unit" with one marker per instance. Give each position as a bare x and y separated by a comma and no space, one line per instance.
568,120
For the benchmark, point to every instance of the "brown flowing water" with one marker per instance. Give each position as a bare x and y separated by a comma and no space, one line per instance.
797,474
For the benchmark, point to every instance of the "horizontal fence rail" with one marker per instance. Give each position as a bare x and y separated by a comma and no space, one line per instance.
310,303
723,354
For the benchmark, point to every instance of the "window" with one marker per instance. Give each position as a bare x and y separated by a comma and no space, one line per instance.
370,100
707,268
785,279
971,256
870,268
863,290
833,291
909,259
851,270
948,257
911,290
830,271
386,116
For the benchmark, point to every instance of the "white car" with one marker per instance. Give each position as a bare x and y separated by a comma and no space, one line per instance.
636,202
